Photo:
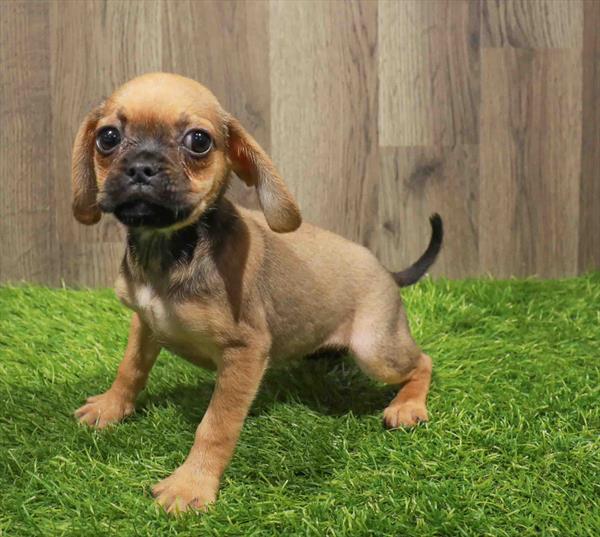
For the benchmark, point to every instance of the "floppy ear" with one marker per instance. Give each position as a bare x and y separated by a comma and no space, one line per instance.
253,166
83,177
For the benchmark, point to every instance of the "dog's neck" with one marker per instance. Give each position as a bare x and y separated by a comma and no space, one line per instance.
155,256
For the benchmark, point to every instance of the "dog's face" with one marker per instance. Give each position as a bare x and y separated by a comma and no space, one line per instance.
158,153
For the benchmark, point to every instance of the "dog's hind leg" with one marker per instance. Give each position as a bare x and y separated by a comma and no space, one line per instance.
409,406
384,349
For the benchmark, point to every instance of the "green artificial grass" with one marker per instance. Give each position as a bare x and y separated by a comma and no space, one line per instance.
512,447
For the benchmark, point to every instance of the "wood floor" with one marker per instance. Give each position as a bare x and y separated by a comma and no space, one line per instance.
377,113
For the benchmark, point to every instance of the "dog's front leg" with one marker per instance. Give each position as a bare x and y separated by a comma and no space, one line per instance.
119,400
196,482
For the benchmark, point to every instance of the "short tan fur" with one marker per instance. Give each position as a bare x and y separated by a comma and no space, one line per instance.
228,288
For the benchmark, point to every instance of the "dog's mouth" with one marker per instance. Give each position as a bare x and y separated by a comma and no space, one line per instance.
143,213
143,205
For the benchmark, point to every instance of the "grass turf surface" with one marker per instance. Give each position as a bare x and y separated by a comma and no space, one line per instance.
511,448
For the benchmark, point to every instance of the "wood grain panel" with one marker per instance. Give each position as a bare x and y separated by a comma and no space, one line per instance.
96,47
530,161
429,72
377,113
27,230
589,222
227,49
416,182
531,23
324,110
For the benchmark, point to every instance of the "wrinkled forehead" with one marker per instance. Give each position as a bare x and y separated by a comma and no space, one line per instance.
166,101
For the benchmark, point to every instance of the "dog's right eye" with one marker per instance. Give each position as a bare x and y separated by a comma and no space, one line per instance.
108,139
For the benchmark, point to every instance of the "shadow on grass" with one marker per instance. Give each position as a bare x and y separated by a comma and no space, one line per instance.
330,384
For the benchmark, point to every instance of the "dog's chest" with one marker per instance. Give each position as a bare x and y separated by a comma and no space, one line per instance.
190,338
153,309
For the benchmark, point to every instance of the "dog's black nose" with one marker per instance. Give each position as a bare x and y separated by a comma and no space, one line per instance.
142,171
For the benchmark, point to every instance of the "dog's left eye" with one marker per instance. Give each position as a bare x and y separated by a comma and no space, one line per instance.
108,139
197,142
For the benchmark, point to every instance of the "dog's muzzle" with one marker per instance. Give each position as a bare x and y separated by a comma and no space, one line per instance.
144,195
141,213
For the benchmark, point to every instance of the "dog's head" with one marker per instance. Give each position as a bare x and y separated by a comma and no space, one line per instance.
158,153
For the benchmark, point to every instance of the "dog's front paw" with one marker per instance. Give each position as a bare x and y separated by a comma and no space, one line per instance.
185,489
104,409
406,414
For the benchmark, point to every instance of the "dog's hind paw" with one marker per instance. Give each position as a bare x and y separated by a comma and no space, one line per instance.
406,414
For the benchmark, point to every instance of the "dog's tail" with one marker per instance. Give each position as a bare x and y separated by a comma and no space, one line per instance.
414,273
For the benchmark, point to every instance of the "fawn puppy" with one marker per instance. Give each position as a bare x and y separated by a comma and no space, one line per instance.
221,286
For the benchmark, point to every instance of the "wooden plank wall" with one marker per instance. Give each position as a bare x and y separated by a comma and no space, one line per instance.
376,112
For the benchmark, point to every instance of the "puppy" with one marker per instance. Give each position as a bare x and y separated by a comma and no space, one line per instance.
225,287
